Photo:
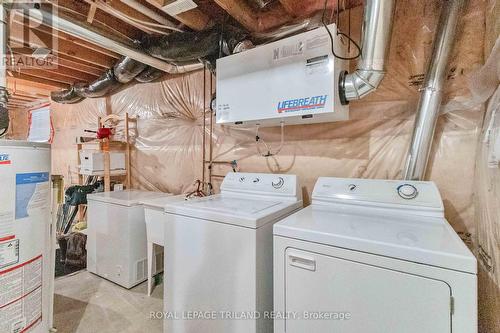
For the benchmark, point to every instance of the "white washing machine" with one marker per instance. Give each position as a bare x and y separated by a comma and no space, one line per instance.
116,236
218,255
373,256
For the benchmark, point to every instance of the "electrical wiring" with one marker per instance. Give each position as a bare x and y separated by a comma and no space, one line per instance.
323,21
268,147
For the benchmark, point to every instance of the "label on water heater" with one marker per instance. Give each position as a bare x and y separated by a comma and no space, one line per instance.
7,198
9,253
21,297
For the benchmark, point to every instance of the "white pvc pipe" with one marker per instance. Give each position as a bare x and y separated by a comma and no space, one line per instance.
76,30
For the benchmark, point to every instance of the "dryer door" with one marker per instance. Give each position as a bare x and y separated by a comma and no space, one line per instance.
328,294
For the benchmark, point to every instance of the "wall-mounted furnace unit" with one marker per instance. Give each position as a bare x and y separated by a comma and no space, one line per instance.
293,80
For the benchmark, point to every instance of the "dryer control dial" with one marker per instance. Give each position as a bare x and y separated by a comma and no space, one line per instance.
278,183
407,191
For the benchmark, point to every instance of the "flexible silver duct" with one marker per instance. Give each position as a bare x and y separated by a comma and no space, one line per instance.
75,29
377,28
432,90
288,29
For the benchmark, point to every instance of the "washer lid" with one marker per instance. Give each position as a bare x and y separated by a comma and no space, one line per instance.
126,198
246,211
407,237
159,203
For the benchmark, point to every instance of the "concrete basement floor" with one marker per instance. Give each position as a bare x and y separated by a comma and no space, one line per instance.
86,303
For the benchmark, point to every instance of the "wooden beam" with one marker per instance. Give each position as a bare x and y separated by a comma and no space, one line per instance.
17,97
107,24
126,11
252,20
21,93
50,74
77,66
91,13
64,36
17,85
44,81
194,18
305,8
66,71
67,48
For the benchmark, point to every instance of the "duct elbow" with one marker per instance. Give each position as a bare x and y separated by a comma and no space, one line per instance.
377,29
356,85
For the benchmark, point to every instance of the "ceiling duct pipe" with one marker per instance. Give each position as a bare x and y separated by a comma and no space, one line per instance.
78,30
432,90
377,28
4,95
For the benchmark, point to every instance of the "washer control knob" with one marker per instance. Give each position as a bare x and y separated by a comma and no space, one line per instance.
407,191
256,180
278,183
242,179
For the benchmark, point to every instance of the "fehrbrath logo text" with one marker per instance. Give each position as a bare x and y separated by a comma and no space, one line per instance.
299,104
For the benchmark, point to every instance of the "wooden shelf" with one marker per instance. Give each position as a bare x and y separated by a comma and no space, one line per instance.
106,146
102,173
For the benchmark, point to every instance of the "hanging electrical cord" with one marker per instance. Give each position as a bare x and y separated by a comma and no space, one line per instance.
268,147
323,21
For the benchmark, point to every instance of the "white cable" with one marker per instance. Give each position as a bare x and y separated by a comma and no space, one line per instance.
268,147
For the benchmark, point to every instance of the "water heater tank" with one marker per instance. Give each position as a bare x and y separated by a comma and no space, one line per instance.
294,80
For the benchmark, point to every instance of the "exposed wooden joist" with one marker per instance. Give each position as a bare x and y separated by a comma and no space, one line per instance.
29,95
17,97
53,75
78,67
305,8
108,24
46,81
128,12
194,18
60,68
258,21
64,36
78,76
21,86
67,48
91,13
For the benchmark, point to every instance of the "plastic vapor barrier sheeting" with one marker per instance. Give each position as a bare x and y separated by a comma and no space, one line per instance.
167,151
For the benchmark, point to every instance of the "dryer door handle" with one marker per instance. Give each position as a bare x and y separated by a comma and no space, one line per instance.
301,261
